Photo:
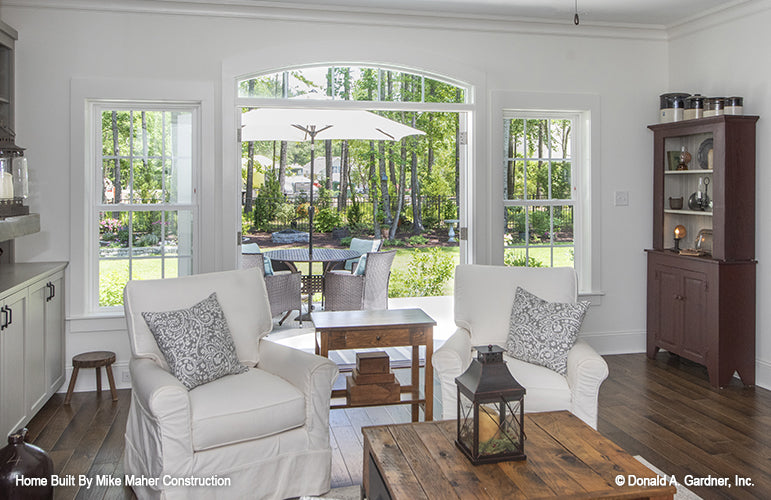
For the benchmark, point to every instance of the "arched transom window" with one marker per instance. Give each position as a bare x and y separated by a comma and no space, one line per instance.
353,83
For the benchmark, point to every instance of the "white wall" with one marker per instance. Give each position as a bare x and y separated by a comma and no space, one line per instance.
725,59
626,69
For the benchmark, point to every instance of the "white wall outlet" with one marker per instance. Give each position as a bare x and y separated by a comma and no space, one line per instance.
126,377
621,198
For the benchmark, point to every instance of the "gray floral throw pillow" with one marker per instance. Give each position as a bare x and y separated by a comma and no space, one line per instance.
542,332
196,342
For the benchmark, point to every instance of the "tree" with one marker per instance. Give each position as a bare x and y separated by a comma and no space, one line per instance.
345,169
328,163
249,178
282,166
116,168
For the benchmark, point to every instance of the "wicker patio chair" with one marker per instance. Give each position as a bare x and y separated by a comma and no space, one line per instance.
346,291
283,287
361,246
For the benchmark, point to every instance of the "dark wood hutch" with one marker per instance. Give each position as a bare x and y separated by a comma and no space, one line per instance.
702,307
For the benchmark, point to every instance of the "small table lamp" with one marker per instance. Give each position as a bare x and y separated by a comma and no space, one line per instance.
680,233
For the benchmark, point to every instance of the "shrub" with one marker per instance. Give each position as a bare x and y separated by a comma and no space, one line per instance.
393,243
111,289
417,240
513,258
148,240
346,241
428,272
355,214
327,219
267,202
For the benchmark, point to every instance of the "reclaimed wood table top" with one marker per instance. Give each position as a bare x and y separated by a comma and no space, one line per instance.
370,318
565,459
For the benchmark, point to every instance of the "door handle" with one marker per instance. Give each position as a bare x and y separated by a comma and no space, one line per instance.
5,310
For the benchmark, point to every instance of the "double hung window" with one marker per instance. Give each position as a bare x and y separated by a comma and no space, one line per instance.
145,206
541,210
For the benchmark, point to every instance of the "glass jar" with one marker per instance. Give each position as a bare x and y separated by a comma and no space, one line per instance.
6,175
671,107
713,106
734,105
694,107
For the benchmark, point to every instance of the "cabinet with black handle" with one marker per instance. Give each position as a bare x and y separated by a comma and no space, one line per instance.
31,339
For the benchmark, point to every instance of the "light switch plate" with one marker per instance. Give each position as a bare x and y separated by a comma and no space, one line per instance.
621,198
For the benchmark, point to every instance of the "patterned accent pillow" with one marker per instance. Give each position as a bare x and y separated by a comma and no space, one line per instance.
542,332
196,342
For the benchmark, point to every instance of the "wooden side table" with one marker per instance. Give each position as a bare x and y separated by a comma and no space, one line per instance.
379,329
95,359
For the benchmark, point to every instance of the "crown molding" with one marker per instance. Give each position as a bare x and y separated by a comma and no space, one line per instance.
275,11
730,11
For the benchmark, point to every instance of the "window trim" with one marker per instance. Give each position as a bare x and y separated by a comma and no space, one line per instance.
81,294
586,170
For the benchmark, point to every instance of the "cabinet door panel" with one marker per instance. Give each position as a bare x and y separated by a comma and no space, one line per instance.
34,349
695,328
12,408
669,321
54,335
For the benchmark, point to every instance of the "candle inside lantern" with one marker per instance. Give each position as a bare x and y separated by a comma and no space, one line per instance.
488,424
6,186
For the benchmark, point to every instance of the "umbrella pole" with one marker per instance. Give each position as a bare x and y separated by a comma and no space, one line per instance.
312,133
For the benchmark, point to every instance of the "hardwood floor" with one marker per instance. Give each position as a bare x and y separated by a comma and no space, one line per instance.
664,410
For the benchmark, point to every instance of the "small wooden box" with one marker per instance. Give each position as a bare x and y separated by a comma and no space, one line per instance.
371,394
372,378
372,362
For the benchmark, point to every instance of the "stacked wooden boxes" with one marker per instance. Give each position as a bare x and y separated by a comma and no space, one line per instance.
372,381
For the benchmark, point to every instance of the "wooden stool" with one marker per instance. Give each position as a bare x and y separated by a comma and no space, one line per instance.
96,360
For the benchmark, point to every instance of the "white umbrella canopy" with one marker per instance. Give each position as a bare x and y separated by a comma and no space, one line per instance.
303,124
299,124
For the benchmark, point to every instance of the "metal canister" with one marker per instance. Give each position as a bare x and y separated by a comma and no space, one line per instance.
671,107
714,106
734,105
694,107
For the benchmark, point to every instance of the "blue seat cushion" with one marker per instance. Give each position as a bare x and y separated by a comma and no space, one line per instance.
252,248
361,246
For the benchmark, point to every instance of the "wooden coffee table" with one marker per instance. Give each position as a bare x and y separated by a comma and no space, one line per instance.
565,459
380,329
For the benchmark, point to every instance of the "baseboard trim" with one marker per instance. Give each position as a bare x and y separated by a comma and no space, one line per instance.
616,342
763,374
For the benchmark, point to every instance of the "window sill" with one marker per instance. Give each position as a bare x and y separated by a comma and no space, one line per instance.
594,298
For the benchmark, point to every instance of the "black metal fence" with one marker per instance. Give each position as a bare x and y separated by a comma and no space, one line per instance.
275,214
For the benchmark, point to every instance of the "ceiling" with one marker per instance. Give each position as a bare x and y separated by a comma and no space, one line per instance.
662,13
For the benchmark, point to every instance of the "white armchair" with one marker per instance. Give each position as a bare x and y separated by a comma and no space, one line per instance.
265,430
483,299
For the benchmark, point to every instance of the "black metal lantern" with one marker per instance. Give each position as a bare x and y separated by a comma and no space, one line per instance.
491,410
13,176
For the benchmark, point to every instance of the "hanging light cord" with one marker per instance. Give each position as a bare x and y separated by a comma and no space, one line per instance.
575,17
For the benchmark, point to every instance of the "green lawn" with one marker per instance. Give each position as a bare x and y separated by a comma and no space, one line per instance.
563,256
113,274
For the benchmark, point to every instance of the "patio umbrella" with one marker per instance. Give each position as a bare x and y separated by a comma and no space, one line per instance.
303,124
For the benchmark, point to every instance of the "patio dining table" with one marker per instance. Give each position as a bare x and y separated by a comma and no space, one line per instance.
329,256
312,283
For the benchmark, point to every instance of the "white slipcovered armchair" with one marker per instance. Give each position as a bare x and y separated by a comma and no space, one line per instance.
483,299
266,430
